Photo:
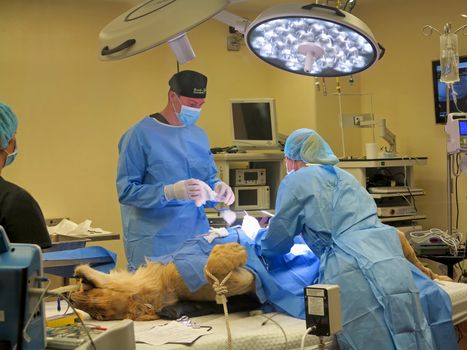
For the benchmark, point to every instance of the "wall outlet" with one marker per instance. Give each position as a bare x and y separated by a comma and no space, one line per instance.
358,119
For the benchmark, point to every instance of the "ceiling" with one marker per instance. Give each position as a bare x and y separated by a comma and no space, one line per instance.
252,7
257,6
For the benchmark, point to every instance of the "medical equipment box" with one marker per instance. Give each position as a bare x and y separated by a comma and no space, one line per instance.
22,324
251,198
430,249
456,132
323,309
396,211
248,177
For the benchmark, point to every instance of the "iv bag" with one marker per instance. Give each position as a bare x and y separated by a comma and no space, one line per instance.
449,58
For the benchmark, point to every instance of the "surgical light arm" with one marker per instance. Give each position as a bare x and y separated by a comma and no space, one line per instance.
383,132
238,23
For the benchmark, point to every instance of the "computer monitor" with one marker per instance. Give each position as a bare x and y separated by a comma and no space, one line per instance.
439,89
254,123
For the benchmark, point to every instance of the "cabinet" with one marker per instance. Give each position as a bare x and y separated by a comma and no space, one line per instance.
390,183
271,161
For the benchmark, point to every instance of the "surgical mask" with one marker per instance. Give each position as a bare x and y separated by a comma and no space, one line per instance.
10,156
188,115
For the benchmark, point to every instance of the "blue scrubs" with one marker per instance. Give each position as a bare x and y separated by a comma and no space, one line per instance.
336,217
152,155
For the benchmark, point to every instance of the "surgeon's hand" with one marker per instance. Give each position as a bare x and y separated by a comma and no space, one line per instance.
190,189
207,194
224,193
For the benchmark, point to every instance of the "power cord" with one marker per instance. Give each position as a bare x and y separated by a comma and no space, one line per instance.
453,241
41,292
321,344
269,318
45,292
62,295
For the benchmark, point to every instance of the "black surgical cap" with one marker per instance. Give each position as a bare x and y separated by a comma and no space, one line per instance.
189,83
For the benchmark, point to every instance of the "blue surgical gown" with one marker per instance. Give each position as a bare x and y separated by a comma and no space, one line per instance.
337,218
152,155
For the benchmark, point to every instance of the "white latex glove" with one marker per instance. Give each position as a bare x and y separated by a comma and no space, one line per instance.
190,189
224,193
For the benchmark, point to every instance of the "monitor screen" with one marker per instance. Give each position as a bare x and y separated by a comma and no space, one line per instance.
439,89
254,122
463,127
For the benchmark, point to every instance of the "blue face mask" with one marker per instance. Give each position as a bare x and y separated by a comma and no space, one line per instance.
188,115
10,156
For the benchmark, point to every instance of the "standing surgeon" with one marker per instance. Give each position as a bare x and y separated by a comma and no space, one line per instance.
380,301
166,173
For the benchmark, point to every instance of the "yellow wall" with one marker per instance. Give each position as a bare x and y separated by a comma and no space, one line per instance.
73,108
401,84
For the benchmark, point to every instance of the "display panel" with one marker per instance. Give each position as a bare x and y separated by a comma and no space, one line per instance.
254,123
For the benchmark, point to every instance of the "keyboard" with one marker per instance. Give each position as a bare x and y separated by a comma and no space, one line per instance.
394,189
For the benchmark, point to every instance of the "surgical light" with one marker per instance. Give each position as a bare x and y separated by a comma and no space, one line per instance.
156,22
314,40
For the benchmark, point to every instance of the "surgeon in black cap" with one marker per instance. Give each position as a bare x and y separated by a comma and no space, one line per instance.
166,174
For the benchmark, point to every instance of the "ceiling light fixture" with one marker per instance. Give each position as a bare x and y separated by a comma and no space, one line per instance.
314,40
309,39
156,22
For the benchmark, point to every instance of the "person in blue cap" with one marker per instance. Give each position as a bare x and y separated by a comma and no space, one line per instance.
337,218
20,215
165,173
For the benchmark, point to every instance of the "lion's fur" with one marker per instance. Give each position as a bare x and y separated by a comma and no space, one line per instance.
142,294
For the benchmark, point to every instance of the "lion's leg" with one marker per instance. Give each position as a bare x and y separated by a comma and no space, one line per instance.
116,280
94,277
242,281
225,258
410,255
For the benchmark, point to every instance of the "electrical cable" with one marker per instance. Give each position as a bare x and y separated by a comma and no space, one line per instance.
302,343
52,293
36,307
269,318
453,242
412,197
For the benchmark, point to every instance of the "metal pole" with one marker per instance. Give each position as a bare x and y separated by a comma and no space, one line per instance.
449,195
448,171
342,127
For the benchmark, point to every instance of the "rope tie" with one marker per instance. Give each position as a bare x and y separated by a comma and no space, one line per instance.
221,290
219,287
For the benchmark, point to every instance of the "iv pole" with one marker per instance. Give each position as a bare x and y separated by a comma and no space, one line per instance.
427,31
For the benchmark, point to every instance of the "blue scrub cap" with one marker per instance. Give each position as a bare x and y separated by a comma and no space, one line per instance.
308,146
8,125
